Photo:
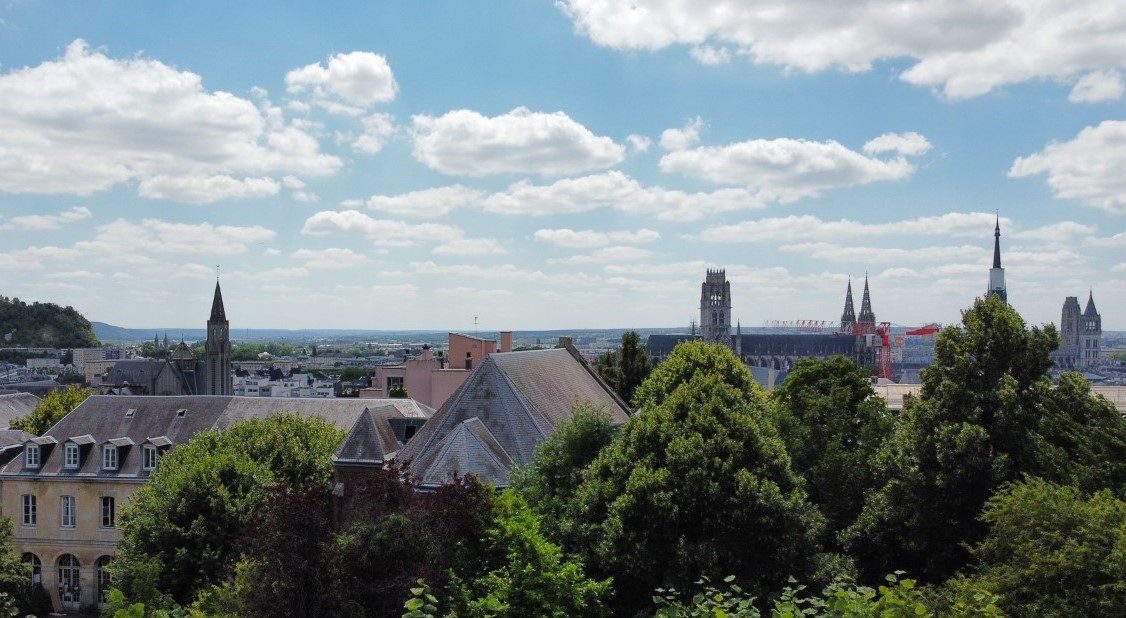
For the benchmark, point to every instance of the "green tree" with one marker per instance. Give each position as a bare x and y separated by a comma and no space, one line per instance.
524,573
16,589
698,482
43,325
987,414
52,409
1051,551
180,532
551,480
625,368
833,425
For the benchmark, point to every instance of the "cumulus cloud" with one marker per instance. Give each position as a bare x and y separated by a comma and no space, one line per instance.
607,255
1098,87
328,259
964,48
85,122
785,170
589,239
684,137
35,258
426,203
470,246
377,128
205,189
878,255
508,272
160,236
47,222
618,191
638,143
465,142
910,144
346,83
1087,168
382,232
706,54
809,227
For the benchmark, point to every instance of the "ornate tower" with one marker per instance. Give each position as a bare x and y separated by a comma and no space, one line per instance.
217,358
1070,323
715,307
848,318
1090,334
997,274
867,318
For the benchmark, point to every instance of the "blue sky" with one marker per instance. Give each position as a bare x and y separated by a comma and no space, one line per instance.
580,164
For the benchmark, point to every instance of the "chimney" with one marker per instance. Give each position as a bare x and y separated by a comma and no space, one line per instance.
505,341
565,342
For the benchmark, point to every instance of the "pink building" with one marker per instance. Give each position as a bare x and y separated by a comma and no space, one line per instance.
425,378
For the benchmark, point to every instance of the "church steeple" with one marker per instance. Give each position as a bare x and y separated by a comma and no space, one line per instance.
997,274
217,357
848,317
218,313
867,316
1090,311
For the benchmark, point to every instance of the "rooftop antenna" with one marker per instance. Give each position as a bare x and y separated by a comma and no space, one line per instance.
475,325
216,273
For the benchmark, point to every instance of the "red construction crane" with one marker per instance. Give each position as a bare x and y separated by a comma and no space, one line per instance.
883,366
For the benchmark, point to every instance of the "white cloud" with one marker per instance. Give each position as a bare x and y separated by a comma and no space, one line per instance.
589,239
638,143
47,222
508,272
809,227
684,137
426,203
909,144
377,128
85,122
205,189
35,258
706,54
965,48
160,236
879,255
1098,87
1087,168
349,82
1062,231
607,255
382,232
785,170
465,142
1119,268
618,191
470,246
328,259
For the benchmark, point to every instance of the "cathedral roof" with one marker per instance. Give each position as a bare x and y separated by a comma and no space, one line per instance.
1090,311
183,352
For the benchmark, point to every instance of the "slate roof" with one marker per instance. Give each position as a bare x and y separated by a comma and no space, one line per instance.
788,344
168,421
13,405
516,399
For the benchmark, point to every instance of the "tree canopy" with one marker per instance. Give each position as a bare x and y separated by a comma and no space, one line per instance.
44,325
179,532
625,368
54,406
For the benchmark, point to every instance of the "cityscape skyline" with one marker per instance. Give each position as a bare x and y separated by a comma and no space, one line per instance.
563,166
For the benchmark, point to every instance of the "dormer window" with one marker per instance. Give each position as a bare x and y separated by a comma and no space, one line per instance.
109,457
149,456
70,455
181,413
31,456
130,412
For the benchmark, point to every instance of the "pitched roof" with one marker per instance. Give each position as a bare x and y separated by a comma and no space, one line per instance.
1090,311
218,313
13,405
175,419
520,398
469,449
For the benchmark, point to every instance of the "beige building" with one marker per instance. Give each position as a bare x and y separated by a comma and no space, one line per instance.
65,489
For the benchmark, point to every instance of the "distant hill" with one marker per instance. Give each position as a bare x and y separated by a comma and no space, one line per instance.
43,325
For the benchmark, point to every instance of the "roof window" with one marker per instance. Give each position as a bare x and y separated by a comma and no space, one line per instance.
181,413
130,412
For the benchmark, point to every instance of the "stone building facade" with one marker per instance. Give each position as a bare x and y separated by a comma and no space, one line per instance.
1080,335
715,307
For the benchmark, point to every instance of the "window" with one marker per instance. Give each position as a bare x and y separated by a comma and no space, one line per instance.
130,412
105,580
148,457
31,456
36,567
109,513
70,455
181,413
109,457
393,383
67,511
30,510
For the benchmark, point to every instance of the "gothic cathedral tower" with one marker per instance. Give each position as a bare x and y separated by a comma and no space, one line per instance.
217,358
715,307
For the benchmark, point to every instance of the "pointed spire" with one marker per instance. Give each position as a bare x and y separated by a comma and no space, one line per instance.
1090,311
218,313
866,314
849,314
997,243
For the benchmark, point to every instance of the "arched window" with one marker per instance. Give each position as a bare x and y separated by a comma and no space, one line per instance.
70,583
105,581
36,567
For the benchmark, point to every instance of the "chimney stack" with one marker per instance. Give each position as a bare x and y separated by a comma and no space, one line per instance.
505,341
